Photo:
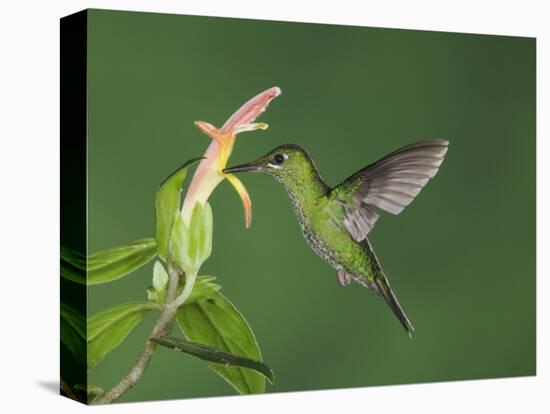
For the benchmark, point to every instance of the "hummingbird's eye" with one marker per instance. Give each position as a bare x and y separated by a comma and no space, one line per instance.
278,159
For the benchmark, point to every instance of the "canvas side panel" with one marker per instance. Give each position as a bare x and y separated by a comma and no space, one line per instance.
73,120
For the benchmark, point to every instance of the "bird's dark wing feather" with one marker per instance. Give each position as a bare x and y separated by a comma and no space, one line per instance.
390,184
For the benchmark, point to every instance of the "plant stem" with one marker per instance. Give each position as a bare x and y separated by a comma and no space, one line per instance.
187,289
162,327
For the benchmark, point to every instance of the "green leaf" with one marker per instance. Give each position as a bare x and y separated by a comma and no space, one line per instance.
192,245
106,265
200,229
73,266
215,322
72,256
202,289
108,328
75,319
112,264
157,293
168,205
160,277
72,273
73,332
179,244
214,355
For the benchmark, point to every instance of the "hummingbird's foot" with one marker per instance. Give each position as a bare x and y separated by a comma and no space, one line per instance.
344,278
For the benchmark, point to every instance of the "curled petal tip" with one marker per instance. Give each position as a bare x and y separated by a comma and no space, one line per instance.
248,112
277,91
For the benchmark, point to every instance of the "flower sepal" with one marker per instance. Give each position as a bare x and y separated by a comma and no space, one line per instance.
191,243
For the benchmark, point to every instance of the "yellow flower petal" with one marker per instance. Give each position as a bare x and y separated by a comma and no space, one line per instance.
247,203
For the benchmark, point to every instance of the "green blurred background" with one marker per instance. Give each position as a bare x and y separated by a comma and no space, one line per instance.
461,258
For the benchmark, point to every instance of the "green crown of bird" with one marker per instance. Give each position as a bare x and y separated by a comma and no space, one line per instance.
336,221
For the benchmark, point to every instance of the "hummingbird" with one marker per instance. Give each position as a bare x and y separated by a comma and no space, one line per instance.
336,221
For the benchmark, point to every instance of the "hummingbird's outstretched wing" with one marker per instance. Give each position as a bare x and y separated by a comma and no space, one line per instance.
390,184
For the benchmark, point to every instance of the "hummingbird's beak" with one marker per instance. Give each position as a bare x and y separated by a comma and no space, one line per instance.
251,166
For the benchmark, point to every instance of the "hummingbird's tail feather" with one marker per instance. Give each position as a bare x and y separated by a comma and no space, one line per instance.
384,289
379,283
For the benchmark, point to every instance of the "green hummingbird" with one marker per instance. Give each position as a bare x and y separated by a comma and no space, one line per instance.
336,221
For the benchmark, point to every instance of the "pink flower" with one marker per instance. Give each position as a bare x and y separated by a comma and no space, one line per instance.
209,173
